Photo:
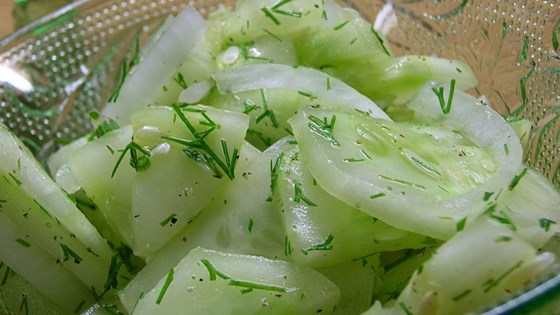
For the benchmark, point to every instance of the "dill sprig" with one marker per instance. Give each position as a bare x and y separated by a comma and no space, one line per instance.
492,283
445,107
325,245
139,158
300,197
106,126
267,111
288,250
545,223
380,40
112,281
250,286
249,106
277,9
517,178
166,285
68,253
180,80
199,150
323,128
341,25
23,307
126,66
213,271
269,15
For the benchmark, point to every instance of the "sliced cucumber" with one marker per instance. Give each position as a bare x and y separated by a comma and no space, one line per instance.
356,281
19,295
144,83
499,262
92,166
198,65
320,229
530,203
240,219
213,282
32,201
181,155
253,18
306,81
40,269
347,39
268,48
406,178
396,80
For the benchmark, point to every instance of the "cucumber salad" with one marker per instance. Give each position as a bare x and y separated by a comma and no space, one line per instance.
277,158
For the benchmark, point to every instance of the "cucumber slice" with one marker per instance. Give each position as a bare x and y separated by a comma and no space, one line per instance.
240,219
31,201
40,269
92,166
213,282
306,81
427,185
390,81
59,158
198,65
382,168
180,158
356,281
156,67
348,41
352,51
177,185
531,203
269,110
319,227
269,48
254,18
18,294
498,263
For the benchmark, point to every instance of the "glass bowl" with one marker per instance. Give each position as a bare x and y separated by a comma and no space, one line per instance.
60,67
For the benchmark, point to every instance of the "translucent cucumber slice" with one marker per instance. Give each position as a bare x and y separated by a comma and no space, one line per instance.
144,83
498,263
389,81
409,180
349,41
306,81
177,185
152,178
32,201
92,166
253,18
198,65
532,206
322,230
213,282
356,281
240,219
40,269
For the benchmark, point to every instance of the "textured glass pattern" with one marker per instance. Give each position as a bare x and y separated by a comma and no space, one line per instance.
512,46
